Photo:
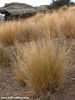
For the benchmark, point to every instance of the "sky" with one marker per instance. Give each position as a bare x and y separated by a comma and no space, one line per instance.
31,2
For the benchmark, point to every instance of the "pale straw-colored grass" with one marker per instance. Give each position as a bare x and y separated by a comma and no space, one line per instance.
40,65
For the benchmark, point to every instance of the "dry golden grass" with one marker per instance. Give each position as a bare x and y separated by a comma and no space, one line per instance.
48,24
38,62
36,18
64,8
40,65
4,57
8,32
12,31
29,32
66,24
60,23
72,9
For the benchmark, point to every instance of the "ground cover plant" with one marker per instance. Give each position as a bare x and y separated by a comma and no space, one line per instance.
41,65
58,23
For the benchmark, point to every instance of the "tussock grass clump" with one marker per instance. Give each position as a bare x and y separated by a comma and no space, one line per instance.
36,18
72,9
29,32
4,57
40,65
64,8
8,32
17,30
48,24
66,25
